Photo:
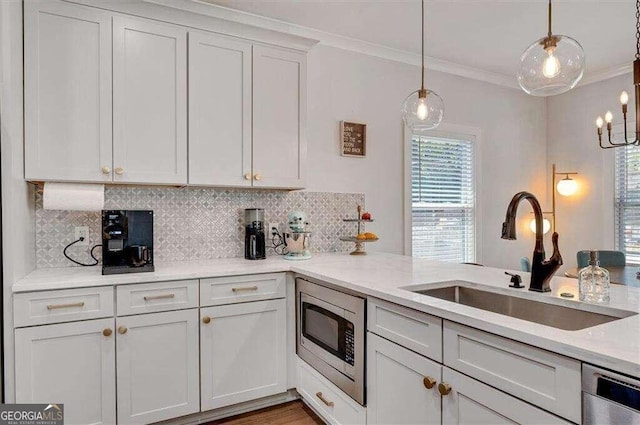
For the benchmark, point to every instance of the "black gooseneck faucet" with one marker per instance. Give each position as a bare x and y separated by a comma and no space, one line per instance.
541,270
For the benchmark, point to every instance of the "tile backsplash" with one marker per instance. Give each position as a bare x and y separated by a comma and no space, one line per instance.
197,223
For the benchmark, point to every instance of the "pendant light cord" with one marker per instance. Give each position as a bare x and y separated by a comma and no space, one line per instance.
637,29
549,35
423,44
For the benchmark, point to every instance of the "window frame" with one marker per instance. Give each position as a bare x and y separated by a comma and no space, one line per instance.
615,213
445,131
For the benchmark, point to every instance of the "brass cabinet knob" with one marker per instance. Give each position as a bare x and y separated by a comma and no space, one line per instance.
106,170
258,177
119,171
206,320
107,332
122,330
247,176
429,382
444,388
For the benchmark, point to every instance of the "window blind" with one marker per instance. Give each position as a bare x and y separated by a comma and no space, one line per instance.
443,199
627,202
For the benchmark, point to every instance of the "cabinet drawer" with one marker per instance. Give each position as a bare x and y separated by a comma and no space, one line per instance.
38,308
155,297
472,402
544,379
237,289
333,405
417,331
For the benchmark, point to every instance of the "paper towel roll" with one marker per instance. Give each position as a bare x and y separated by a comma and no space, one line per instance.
73,196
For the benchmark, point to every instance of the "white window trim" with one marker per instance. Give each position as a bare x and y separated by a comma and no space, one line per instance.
447,131
609,180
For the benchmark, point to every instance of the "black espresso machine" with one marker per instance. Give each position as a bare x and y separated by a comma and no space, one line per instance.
127,241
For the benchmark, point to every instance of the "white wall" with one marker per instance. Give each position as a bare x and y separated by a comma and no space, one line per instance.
350,86
18,221
585,221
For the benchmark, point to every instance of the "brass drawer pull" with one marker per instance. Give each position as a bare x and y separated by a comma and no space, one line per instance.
159,297
248,288
206,320
107,332
324,400
122,330
444,388
429,382
70,305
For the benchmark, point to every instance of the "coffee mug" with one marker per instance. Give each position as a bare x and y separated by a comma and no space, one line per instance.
139,255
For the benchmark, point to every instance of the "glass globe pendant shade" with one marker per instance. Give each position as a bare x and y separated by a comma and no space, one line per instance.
551,65
422,113
567,186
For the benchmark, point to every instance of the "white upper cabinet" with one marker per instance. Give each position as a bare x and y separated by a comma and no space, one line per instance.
67,70
149,102
279,114
117,98
219,110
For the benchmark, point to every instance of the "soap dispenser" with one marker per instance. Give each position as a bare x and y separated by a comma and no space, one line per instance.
593,281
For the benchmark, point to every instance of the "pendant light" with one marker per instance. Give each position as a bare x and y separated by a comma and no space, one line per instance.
552,65
423,109
624,99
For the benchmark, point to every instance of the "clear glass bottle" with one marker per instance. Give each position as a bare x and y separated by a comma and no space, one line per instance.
593,281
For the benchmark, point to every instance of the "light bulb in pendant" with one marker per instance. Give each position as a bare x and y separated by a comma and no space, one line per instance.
551,65
422,111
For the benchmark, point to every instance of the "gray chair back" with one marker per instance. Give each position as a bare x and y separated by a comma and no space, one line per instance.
607,258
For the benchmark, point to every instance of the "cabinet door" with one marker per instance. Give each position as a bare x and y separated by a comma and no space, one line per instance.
279,115
157,359
219,110
67,71
397,393
472,402
149,102
70,363
243,353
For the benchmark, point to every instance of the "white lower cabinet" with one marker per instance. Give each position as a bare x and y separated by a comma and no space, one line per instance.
472,402
158,370
397,382
331,403
69,363
243,352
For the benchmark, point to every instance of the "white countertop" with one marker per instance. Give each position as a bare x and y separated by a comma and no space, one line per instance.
614,345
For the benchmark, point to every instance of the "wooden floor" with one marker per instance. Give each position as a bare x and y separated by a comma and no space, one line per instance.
292,413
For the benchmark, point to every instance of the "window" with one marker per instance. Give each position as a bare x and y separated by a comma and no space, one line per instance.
627,202
443,207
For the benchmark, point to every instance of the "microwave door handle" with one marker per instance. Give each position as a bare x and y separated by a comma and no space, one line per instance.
325,305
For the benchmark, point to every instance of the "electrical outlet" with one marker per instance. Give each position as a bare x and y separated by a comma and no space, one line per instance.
82,232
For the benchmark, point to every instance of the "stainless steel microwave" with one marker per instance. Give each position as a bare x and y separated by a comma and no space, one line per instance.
331,334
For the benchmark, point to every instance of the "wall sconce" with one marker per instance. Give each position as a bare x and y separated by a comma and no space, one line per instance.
565,187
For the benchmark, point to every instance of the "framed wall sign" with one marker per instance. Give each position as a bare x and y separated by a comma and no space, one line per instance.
353,139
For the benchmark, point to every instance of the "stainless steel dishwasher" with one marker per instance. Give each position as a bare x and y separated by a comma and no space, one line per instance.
609,398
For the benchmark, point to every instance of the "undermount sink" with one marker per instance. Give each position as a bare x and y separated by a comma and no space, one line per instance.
554,315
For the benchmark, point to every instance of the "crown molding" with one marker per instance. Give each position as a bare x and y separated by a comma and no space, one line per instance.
250,25
337,41
606,74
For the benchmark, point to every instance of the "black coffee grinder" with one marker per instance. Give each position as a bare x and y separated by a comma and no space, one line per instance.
254,239
127,241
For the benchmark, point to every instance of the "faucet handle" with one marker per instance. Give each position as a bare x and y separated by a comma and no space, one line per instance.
516,281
